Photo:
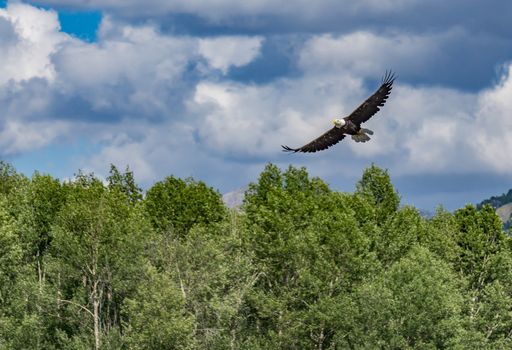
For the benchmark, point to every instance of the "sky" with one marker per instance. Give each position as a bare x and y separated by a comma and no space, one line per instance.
212,89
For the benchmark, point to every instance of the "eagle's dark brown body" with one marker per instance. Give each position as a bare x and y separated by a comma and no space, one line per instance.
351,125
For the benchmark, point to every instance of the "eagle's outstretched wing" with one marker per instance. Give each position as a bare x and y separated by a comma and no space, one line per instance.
329,138
371,106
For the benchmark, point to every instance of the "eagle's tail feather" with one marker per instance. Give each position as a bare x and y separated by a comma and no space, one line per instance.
362,135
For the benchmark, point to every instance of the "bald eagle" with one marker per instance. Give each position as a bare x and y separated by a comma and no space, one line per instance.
351,125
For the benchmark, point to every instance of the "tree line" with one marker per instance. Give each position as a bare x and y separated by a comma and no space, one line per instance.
91,264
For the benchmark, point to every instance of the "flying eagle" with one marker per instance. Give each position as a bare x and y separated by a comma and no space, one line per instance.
351,125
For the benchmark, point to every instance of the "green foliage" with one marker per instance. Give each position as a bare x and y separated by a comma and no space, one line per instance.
124,183
157,314
10,180
214,275
87,265
375,185
415,304
479,237
400,232
97,240
20,326
311,248
177,205
39,202
10,250
440,235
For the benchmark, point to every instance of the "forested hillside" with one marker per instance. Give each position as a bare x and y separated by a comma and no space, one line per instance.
91,265
503,206
498,201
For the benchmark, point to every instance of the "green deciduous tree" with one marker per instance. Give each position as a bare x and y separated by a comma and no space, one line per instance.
124,183
85,265
440,235
213,275
375,185
311,248
178,205
40,201
10,180
416,304
20,325
157,317
479,237
98,238
401,231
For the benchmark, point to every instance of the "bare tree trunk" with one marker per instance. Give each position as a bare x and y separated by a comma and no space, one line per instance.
233,339
182,286
40,276
321,339
95,298
40,273
279,328
96,315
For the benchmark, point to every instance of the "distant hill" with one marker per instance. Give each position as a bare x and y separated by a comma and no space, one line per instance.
234,199
504,212
498,201
503,206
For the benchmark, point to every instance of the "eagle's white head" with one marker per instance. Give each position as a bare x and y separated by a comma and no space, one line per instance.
339,123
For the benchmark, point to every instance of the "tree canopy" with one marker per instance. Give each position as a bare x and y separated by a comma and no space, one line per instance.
92,264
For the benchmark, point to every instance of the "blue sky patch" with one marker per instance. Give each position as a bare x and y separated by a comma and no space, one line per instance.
81,24
276,59
56,158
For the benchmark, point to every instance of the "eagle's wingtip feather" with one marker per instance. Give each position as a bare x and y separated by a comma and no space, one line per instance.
289,149
389,77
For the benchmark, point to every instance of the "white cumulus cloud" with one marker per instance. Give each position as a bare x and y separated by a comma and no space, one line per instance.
492,128
224,52
33,36
157,102
56,83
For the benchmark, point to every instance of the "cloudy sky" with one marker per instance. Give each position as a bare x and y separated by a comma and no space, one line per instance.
211,89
